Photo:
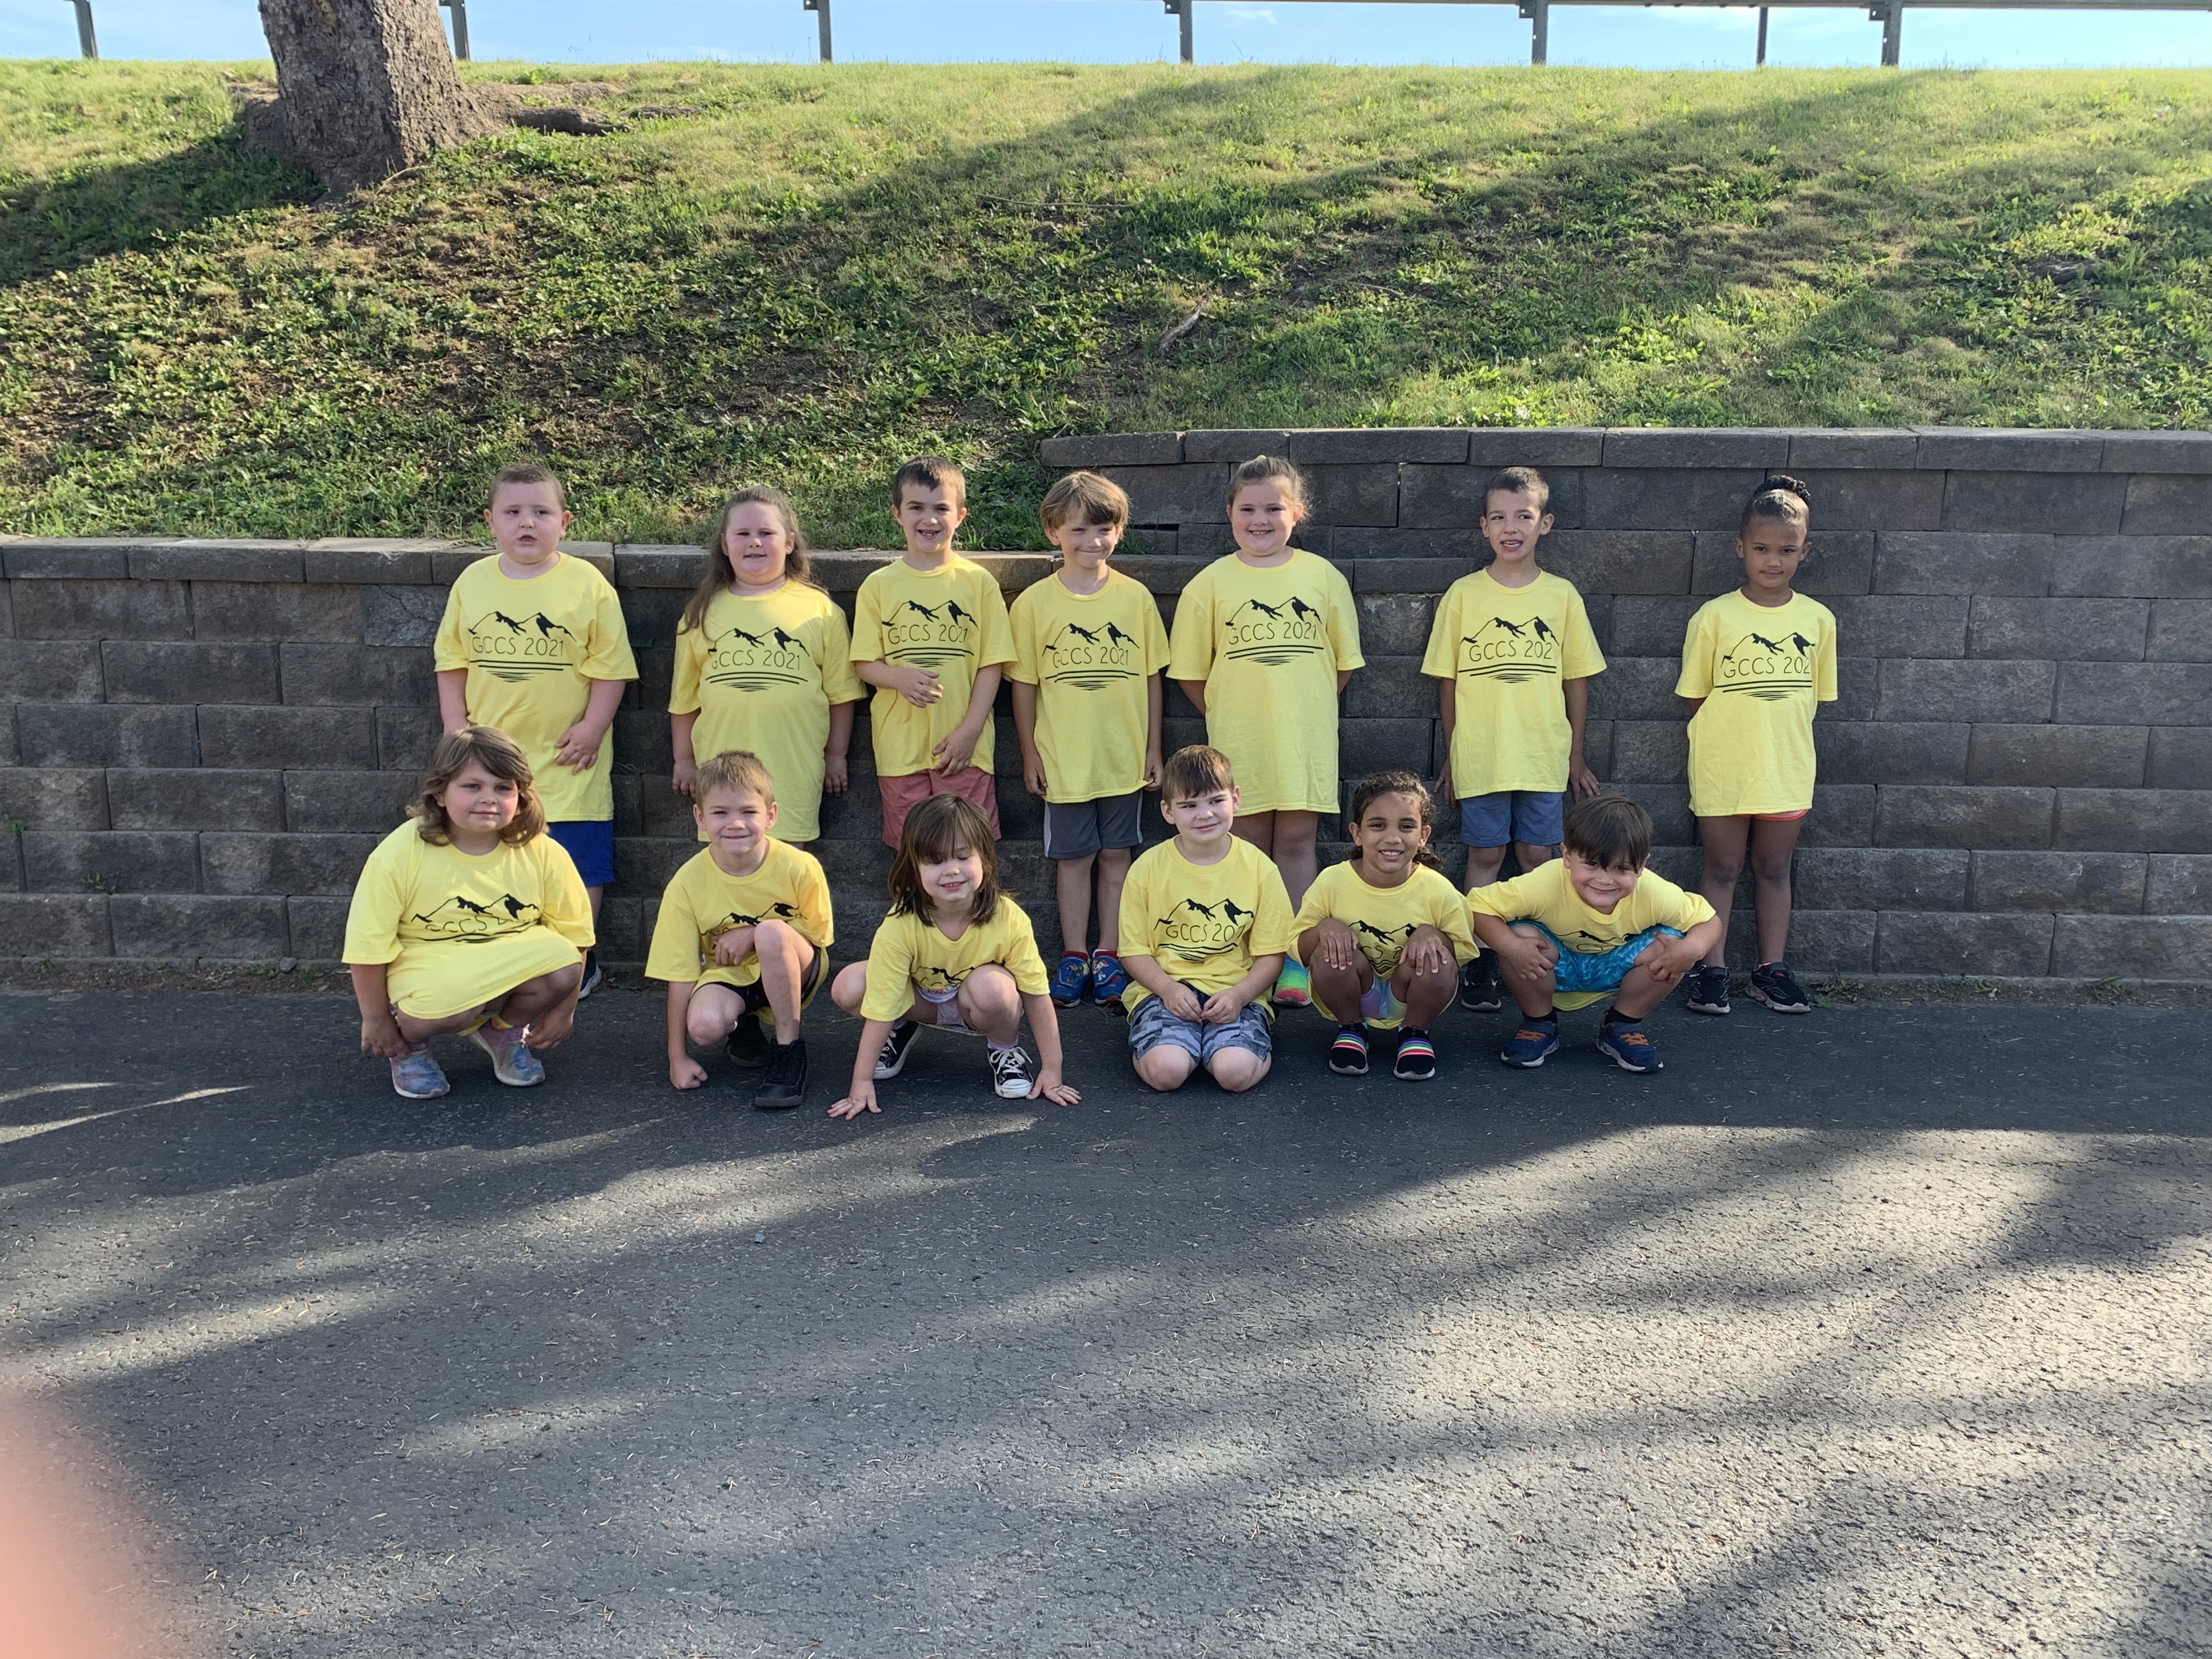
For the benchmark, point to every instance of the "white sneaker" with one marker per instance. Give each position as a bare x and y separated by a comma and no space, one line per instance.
1010,1073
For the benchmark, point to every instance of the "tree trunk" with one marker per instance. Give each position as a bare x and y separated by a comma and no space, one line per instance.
367,88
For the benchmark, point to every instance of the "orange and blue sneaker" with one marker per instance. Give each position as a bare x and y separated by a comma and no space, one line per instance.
1537,1041
1628,1045
1110,982
1070,979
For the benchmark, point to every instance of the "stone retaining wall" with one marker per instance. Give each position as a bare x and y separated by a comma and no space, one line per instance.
204,739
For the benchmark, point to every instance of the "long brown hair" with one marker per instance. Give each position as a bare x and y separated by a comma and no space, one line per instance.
717,575
1376,785
935,831
498,754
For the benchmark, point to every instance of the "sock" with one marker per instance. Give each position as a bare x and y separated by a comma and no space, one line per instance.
1078,955
1551,1018
1000,1048
1614,1017
1106,955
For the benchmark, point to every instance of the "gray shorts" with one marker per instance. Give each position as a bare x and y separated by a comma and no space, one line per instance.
1076,828
1153,1023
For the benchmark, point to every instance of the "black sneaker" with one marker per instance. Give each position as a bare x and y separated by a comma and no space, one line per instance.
1773,984
1708,989
591,975
896,1046
748,1045
1348,1055
785,1084
1478,985
1417,1057
1011,1076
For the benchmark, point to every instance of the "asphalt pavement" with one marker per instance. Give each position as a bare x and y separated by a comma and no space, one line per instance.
1881,1331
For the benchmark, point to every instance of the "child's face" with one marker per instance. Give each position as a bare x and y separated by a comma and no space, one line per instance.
1513,524
477,803
951,883
1201,820
1391,835
736,822
754,542
1771,549
1084,543
1261,517
927,515
1600,886
527,520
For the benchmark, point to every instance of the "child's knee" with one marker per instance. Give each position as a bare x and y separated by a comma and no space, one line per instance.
850,988
992,989
707,1023
1113,861
1238,1069
561,980
775,938
1165,1067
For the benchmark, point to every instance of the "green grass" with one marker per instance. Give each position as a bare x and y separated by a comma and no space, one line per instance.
826,269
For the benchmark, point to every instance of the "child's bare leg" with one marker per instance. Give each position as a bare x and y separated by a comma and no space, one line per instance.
850,988
1259,828
1072,879
1112,872
1640,992
713,1013
991,1003
595,894
1724,841
1529,855
1532,996
1339,989
1165,1067
1238,1069
1483,864
418,1031
1772,841
547,1005
1295,852
1426,995
784,953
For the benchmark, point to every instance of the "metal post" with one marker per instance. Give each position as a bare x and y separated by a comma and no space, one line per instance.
1762,36
460,10
821,10
86,42
1893,32
1539,14
1181,11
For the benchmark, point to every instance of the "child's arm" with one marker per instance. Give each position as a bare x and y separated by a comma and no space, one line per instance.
687,763
1447,717
1195,690
958,746
1581,780
1428,951
1046,1025
1327,943
860,1094
917,685
1148,972
1224,1005
1026,697
1525,958
453,698
683,1072
734,946
1344,678
380,1031
1153,695
836,775
578,747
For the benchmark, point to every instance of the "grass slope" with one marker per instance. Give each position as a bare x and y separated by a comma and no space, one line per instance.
825,269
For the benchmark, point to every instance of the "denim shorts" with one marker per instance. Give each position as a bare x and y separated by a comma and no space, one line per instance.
1597,970
1536,817
590,845
1153,1025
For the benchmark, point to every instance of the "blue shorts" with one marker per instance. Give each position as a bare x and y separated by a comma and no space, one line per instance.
1535,816
1597,970
1153,1023
589,844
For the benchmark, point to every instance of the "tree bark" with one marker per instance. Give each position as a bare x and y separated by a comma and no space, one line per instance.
367,88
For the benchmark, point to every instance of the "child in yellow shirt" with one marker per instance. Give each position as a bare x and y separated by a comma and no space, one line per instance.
1593,924
468,919
1264,640
533,642
745,927
1088,649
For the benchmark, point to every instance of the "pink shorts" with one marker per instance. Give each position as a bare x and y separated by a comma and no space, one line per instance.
901,795
1778,817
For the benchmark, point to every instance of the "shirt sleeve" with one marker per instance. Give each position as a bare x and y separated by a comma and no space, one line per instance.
690,662
1508,900
1023,960
1580,658
868,624
566,908
890,973
1684,909
453,652
1697,676
1272,929
817,914
607,655
1190,647
1137,909
1022,622
1450,919
1824,661
997,645
839,683
372,933
674,953
1441,659
1343,623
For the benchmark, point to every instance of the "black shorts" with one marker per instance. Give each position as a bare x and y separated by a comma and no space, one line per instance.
1076,828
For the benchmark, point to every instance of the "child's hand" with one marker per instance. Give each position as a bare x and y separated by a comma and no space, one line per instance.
1442,791
836,774
956,751
1334,947
687,1072
861,1099
578,747
551,1029
1529,961
686,780
1428,951
734,946
1667,959
1221,1008
1582,782
1152,768
917,685
1049,1085
1182,1004
1033,774
380,1036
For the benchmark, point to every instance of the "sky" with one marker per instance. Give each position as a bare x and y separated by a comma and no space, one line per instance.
1124,31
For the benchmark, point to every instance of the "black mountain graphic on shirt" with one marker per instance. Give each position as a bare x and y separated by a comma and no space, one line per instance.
1512,651
1274,633
1767,666
746,661
928,635
1090,659
462,918
1194,932
514,648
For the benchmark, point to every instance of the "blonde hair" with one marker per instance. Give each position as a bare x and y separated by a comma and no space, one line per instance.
529,473
733,768
1087,496
498,754
1271,469
717,575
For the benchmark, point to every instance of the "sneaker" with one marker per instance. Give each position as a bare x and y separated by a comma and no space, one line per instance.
1417,1057
1011,1077
591,975
892,1060
785,1084
1478,985
748,1045
1773,984
1629,1046
1110,982
1708,989
511,1062
1348,1055
416,1075
1070,979
1293,988
1534,1042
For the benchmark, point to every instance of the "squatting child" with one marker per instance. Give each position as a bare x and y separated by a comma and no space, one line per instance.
744,928
764,663
470,919
1593,924
954,953
1088,650
1383,933
533,643
929,633
1265,639
1206,923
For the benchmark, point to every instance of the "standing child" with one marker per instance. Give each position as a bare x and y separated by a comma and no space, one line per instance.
1512,651
744,928
1756,662
1088,652
929,633
1265,639
1384,933
955,953
1593,924
533,643
1204,925
470,919
764,663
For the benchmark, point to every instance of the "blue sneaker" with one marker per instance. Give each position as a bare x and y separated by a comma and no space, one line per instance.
1110,982
1071,980
416,1075
1537,1041
1629,1046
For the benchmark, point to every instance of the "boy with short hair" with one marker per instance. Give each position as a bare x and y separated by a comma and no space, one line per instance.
1592,924
533,643
1205,922
929,633
1088,650
1512,651
745,928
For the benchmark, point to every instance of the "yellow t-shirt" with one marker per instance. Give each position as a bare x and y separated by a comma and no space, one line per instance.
950,621
1760,671
907,951
1203,923
1383,918
761,673
1506,650
702,902
456,931
532,649
1545,894
1269,643
1091,657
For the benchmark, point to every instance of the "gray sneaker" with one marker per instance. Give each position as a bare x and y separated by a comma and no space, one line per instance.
511,1062
416,1075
